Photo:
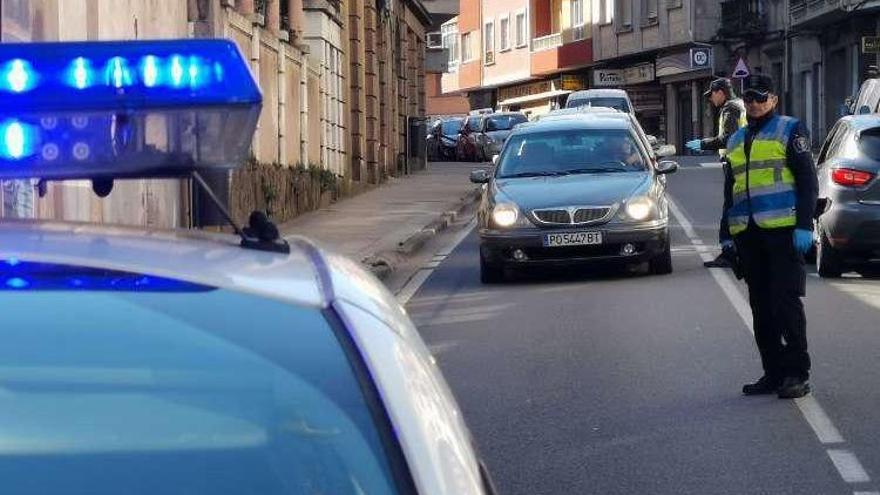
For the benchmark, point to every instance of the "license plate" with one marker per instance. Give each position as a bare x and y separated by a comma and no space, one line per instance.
573,239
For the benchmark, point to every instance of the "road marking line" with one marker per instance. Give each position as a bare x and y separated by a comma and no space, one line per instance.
409,290
846,462
848,466
819,421
866,493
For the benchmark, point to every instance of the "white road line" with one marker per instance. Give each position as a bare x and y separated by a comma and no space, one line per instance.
710,165
848,466
846,462
819,421
866,493
411,287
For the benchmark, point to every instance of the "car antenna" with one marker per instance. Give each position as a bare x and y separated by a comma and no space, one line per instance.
261,234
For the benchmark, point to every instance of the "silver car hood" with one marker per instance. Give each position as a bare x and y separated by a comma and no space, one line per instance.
571,190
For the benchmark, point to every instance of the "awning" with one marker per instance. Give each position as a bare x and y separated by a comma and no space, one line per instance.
537,97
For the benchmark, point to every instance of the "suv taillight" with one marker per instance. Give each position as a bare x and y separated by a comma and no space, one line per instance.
850,177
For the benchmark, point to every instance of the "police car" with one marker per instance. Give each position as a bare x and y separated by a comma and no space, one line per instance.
145,362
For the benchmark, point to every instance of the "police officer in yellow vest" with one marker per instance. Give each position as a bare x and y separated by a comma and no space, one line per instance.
731,116
770,198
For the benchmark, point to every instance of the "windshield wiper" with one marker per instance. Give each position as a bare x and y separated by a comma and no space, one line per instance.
595,170
535,174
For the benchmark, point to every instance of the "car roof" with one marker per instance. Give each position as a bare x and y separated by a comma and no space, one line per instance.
577,120
862,122
589,93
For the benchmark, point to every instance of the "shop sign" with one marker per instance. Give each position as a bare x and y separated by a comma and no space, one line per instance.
608,77
638,74
530,89
571,82
870,44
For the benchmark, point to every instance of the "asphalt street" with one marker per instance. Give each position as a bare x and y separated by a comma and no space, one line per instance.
610,382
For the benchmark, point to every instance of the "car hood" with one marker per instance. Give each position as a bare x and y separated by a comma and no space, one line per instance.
499,135
571,190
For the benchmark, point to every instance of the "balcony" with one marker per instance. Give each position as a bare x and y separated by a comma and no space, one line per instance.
548,42
806,12
742,19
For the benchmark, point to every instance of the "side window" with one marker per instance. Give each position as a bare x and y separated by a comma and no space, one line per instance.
826,151
837,143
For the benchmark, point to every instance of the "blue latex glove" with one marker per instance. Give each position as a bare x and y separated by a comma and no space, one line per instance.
694,145
803,240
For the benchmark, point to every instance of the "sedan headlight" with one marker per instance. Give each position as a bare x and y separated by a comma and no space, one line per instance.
639,209
505,214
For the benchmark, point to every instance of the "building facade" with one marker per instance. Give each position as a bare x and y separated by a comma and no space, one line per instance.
438,59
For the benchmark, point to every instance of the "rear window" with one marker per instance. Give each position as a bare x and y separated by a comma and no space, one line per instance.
609,102
869,143
472,124
504,122
110,389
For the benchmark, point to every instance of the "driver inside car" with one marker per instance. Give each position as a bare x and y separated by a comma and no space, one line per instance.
619,148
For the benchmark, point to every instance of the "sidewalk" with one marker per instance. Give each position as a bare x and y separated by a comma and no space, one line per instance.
382,227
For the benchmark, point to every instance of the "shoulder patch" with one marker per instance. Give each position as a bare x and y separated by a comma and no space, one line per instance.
801,144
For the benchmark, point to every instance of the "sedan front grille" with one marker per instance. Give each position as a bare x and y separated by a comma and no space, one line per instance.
560,217
589,215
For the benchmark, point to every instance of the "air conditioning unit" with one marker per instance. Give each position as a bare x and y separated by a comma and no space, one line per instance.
434,40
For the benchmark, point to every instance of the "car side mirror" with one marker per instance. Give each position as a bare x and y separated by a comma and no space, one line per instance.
667,167
665,150
494,159
864,110
480,177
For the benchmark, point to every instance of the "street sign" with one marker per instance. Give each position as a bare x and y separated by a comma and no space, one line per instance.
700,58
870,44
741,71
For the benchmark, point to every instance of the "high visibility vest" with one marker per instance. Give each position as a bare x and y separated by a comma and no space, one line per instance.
763,187
742,121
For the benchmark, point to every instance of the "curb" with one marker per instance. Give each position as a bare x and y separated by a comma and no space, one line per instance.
384,263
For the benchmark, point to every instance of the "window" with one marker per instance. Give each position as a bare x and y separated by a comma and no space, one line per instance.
522,33
673,4
489,43
434,40
623,8
504,26
450,44
606,11
467,49
578,28
650,11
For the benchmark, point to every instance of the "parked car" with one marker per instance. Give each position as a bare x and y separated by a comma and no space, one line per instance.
611,98
494,131
868,98
848,229
466,149
573,189
443,138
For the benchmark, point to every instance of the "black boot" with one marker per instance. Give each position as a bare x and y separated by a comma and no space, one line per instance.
794,388
719,262
764,386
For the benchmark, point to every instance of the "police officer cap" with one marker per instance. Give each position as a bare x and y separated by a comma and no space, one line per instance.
720,84
759,83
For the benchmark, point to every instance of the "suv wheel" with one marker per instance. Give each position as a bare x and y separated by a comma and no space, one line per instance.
828,259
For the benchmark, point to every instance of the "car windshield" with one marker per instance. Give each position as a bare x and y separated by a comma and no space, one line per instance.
451,127
571,152
122,383
607,102
472,124
504,122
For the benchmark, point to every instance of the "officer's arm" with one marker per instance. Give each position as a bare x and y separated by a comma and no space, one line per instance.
724,230
800,162
728,127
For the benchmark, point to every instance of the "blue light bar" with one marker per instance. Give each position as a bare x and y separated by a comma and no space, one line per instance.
124,109
88,76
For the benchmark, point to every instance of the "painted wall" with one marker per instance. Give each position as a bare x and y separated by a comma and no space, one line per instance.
511,65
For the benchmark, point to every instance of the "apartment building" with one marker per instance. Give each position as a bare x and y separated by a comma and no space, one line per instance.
518,54
439,57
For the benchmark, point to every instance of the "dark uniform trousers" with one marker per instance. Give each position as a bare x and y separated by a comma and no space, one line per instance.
774,272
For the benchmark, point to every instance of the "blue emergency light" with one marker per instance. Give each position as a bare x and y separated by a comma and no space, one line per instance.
124,109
